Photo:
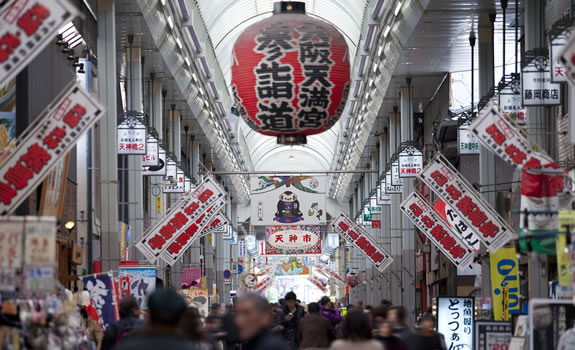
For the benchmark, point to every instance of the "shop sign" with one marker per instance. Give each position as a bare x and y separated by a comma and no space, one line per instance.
187,235
556,46
366,215
132,136
410,162
171,172
537,88
187,184
191,277
468,143
39,280
102,294
185,217
455,317
160,169
395,178
329,273
40,241
382,197
179,185
333,240
450,186
288,200
151,157
242,249
362,241
11,228
198,298
45,143
511,102
436,230
375,223
27,28
319,282
498,135
493,335
143,282
504,283
251,244
263,283
389,188
293,240
375,208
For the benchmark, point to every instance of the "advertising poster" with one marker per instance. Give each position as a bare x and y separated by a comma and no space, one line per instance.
191,277
197,298
455,319
504,283
288,200
143,282
490,335
293,240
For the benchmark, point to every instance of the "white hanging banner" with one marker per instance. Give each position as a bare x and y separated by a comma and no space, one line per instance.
511,102
185,216
450,186
27,27
382,197
389,188
179,186
160,169
44,143
556,46
171,172
151,157
329,273
410,162
436,230
536,85
497,134
468,143
395,178
132,136
318,282
361,240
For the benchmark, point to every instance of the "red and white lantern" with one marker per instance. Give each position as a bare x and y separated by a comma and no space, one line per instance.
290,74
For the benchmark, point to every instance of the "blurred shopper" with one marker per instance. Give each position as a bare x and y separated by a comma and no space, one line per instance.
129,322
230,336
277,318
396,315
378,315
191,329
386,337
216,309
428,338
92,328
315,331
358,305
329,311
356,333
292,314
165,310
253,317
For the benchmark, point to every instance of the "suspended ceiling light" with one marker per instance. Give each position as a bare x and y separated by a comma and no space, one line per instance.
163,2
179,42
291,157
397,8
387,29
170,22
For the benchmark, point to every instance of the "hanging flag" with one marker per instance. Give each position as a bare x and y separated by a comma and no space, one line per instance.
124,283
329,273
102,295
566,226
504,283
318,282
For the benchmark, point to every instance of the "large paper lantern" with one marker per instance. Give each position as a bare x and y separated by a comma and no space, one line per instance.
290,74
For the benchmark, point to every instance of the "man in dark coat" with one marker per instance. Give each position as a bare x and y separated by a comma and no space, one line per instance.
292,314
315,331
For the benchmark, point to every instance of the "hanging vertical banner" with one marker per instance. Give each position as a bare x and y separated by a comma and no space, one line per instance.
504,278
389,188
556,46
151,157
455,318
497,134
436,230
468,143
288,200
143,282
450,186
27,28
410,162
361,240
44,143
160,169
396,179
511,102
190,211
538,90
11,228
132,136
40,241
171,171
382,197
242,249
178,186
319,282
102,296
564,267
191,278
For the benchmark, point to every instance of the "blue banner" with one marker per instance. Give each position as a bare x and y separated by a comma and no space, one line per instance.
102,295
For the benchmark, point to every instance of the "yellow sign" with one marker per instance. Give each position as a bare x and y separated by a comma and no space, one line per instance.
504,283
566,219
159,205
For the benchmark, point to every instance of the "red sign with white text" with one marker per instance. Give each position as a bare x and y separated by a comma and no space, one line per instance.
45,143
362,241
318,282
450,186
326,271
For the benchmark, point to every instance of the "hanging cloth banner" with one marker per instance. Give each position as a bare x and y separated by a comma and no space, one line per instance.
102,296
142,282
191,208
318,282
329,273
44,143
264,282
450,186
436,230
497,134
504,283
27,27
361,240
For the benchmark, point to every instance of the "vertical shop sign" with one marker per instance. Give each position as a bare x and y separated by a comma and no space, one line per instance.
132,136
27,28
102,295
45,143
455,317
151,158
556,46
468,143
389,187
396,179
160,169
143,282
40,241
504,279
511,102
382,197
450,186
410,162
564,267
11,258
537,88
179,185
242,249
171,171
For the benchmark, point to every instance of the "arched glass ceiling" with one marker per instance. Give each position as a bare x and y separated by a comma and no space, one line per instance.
227,19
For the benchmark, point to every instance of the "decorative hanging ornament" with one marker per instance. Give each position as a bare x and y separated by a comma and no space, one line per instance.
290,74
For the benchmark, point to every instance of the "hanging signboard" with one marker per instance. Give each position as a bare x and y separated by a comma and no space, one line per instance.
45,143
179,186
293,240
102,295
288,200
395,178
251,244
132,136
455,318
183,217
504,283
332,240
40,241
537,88
319,282
214,227
468,143
242,249
151,158
11,228
382,197
511,102
27,28
329,273
187,184
389,188
160,169
410,162
436,230
492,335
556,46
361,240
450,186
171,172
375,208
498,135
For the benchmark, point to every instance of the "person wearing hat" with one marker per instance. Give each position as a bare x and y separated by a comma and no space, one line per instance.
292,314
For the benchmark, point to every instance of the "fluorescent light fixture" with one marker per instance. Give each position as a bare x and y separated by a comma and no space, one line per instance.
163,2
368,38
356,88
379,50
195,39
397,8
184,9
387,29
188,63
76,42
362,65
179,42
377,9
170,22
206,67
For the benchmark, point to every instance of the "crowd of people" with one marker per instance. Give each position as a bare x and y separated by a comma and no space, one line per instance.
252,323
